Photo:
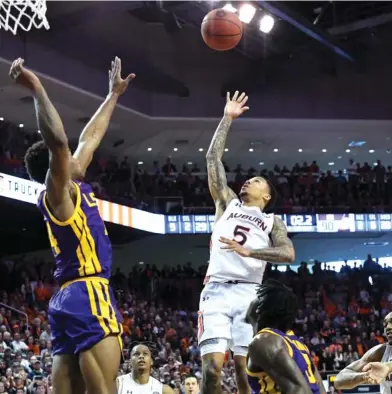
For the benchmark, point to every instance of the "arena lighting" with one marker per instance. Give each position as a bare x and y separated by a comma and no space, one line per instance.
246,13
276,150
189,163
175,149
261,163
300,150
371,150
229,7
348,150
250,149
140,162
39,131
266,23
21,125
149,149
1,119
226,149
200,149
323,150
331,163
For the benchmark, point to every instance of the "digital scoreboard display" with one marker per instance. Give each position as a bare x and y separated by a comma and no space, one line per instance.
296,223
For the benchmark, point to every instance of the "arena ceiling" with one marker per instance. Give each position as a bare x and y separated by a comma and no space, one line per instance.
304,94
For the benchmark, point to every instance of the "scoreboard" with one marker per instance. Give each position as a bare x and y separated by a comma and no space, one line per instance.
300,223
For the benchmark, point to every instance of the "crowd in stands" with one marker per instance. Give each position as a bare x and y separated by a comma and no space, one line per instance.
340,318
170,188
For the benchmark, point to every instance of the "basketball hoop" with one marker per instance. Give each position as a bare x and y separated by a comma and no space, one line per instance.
23,14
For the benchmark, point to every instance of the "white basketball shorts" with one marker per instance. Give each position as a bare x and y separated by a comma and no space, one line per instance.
222,311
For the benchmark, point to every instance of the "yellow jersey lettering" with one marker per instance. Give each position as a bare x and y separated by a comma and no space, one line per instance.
90,199
53,241
305,354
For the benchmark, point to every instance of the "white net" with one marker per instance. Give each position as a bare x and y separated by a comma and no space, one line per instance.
23,14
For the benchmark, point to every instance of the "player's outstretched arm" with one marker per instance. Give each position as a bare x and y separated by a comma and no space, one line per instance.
269,352
352,376
167,389
217,180
96,128
52,131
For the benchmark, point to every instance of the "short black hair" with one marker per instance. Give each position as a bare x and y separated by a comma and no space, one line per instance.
37,161
277,305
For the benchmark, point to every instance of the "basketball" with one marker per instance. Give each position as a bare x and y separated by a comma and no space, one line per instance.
221,30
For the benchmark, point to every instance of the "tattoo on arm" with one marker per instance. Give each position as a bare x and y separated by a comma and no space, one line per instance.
217,180
282,250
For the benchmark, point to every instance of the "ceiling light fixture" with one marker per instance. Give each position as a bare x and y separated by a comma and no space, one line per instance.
300,150
149,149
261,163
200,149
247,12
189,163
266,23
229,7
140,162
323,150
1,119
250,149
348,150
226,149
39,131
21,125
339,157
331,163
371,150
175,149
276,150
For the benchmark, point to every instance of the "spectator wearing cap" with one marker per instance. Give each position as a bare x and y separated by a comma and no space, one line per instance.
35,368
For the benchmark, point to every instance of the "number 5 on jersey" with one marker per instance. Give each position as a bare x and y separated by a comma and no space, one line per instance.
240,234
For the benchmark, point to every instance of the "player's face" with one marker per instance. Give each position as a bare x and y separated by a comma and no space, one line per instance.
388,327
255,189
191,386
141,358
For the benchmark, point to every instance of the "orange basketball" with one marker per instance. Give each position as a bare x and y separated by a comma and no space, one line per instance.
221,30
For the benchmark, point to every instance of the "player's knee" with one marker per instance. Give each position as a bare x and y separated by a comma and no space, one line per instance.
212,371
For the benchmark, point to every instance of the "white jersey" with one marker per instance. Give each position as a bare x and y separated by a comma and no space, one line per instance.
386,386
126,385
251,228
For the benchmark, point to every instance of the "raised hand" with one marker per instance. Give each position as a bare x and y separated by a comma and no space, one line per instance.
116,83
234,246
235,106
23,76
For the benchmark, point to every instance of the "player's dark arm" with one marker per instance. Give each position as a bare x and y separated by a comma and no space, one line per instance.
217,181
352,376
167,389
52,131
94,131
96,128
282,250
269,352
319,380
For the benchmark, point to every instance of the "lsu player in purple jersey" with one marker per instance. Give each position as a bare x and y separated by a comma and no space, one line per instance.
278,362
85,323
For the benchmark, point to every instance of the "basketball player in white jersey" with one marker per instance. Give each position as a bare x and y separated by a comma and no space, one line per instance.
374,367
243,240
140,381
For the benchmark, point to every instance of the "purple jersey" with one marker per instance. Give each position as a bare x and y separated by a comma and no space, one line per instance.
260,382
80,245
